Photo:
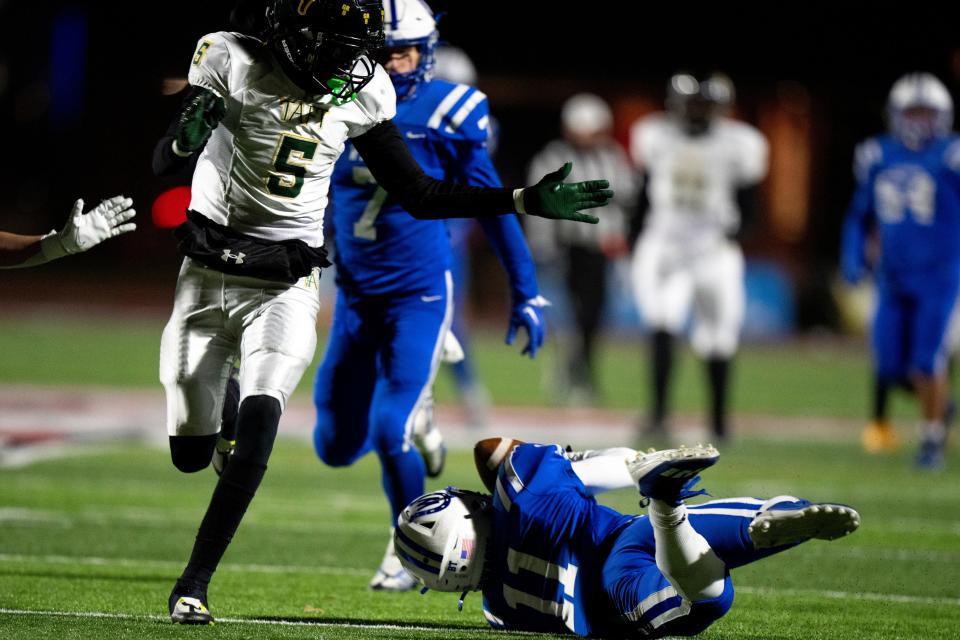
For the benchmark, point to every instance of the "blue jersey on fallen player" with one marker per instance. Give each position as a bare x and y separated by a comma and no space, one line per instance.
546,545
548,558
394,304
908,193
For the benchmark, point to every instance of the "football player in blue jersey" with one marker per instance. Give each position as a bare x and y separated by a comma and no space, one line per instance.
908,189
394,304
548,558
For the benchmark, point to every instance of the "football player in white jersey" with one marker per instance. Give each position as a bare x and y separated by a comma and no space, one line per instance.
701,169
81,232
269,117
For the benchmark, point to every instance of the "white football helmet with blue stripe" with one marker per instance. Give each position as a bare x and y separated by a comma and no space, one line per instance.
441,538
910,96
410,23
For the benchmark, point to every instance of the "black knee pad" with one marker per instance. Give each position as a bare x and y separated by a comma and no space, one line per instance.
257,423
192,453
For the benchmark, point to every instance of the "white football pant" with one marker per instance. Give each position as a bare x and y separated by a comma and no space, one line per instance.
669,279
217,317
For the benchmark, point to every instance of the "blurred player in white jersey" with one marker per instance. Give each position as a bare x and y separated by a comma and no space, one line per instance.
701,170
269,118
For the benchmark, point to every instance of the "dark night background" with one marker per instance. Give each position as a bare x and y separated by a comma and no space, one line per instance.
81,103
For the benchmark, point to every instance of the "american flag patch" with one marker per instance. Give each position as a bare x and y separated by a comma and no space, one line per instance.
466,549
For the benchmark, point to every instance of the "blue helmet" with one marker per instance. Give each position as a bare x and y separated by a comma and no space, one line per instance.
410,23
914,92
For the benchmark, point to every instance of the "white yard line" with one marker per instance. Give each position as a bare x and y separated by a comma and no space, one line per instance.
163,564
353,571
892,598
251,621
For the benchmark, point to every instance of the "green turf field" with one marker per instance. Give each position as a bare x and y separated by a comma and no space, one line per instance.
815,378
90,545
108,534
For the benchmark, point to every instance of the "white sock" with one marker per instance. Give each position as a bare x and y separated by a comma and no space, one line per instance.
933,430
683,555
605,470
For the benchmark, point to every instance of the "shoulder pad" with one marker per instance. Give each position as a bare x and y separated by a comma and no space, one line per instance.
461,111
378,99
643,133
866,156
951,155
225,62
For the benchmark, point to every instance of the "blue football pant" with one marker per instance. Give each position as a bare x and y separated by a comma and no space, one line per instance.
910,329
380,363
645,598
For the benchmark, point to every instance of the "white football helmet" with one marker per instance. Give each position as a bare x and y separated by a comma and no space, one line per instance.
410,23
441,539
454,65
919,91
586,114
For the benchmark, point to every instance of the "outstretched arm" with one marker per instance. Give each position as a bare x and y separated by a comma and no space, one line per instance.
81,232
388,158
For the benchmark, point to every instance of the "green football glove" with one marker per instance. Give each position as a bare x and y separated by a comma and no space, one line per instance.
199,118
553,198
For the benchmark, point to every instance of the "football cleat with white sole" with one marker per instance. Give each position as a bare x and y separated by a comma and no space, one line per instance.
791,521
669,474
391,576
427,438
189,606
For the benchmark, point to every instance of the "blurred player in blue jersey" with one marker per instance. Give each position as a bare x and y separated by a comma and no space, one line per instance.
395,301
548,558
908,190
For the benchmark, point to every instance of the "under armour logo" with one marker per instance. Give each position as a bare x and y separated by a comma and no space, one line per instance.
236,257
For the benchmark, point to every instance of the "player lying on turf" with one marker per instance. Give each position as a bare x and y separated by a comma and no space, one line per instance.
81,232
548,558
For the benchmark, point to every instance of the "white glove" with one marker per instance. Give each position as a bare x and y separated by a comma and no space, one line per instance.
86,230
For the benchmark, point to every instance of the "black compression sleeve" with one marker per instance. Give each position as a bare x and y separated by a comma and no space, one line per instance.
165,161
391,163
748,200
639,214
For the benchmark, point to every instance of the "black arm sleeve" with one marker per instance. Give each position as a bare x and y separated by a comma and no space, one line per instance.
638,216
165,161
748,201
394,168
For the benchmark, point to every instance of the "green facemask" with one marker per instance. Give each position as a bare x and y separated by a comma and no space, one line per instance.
336,85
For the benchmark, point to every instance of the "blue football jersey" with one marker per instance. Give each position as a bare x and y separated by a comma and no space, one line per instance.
912,197
380,247
547,542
